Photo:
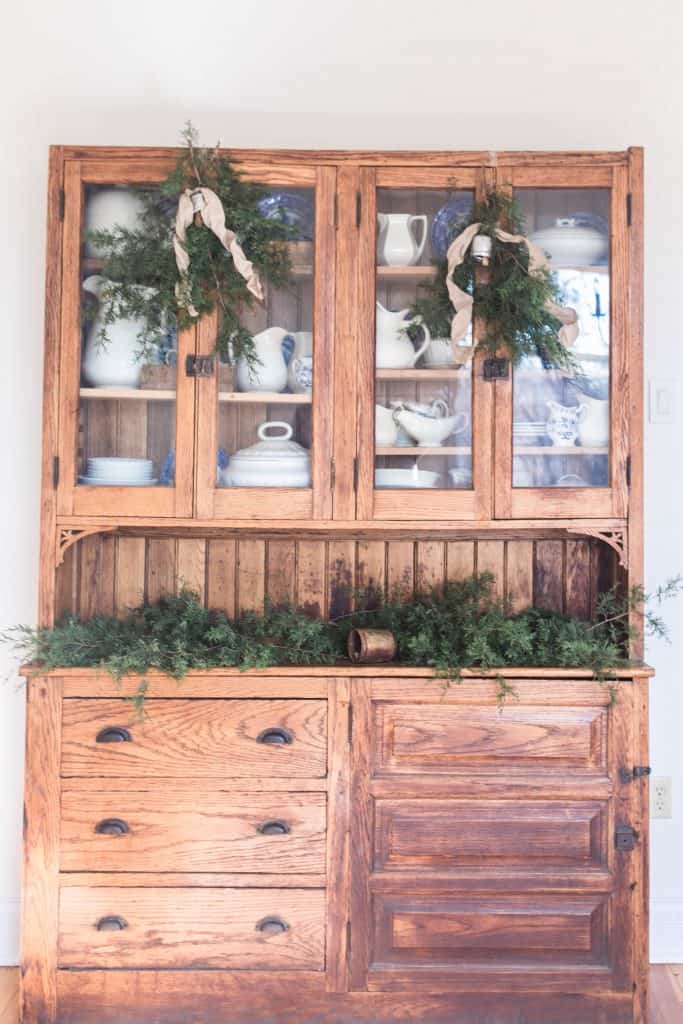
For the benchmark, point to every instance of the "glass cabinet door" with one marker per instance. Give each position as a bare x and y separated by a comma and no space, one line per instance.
423,408
264,427
566,427
126,415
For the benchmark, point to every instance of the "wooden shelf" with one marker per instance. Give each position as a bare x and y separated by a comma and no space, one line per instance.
419,450
420,375
547,449
128,394
402,274
263,398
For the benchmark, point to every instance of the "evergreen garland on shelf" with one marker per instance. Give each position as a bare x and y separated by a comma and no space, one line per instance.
140,266
459,626
510,301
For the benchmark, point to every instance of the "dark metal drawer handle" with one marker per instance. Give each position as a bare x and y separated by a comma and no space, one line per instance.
272,925
277,827
114,734
112,827
112,923
274,737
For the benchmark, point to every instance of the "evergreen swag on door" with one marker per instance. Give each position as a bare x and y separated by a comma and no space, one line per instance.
143,280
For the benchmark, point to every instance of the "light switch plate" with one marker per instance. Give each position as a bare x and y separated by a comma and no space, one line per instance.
662,400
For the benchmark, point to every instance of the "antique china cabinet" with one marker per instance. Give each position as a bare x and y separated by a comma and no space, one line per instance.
349,844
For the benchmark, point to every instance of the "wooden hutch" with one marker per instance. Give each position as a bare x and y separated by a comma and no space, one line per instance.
343,845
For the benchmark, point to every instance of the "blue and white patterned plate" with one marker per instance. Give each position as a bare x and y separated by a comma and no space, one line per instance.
293,209
448,222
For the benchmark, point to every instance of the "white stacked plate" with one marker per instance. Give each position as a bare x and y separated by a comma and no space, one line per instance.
528,430
115,471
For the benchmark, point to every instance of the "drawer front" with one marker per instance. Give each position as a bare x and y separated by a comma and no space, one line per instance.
558,930
448,834
195,739
250,929
192,829
449,737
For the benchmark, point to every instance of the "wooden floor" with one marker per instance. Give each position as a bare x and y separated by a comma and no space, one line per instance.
666,991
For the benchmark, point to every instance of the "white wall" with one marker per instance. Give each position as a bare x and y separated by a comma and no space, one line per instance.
356,73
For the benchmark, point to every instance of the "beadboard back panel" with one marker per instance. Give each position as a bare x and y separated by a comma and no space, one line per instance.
107,575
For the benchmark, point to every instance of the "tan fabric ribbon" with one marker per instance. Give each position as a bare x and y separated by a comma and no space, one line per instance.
462,301
205,202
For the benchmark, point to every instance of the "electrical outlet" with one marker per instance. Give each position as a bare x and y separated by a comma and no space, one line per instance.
660,797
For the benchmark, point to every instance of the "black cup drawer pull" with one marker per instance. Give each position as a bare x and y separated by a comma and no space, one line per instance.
275,736
112,827
277,827
272,925
114,734
111,923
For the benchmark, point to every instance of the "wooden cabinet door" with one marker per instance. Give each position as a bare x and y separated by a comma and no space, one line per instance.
407,216
483,844
287,397
562,438
112,408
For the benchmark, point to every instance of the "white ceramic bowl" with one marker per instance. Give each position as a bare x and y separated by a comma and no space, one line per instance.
406,478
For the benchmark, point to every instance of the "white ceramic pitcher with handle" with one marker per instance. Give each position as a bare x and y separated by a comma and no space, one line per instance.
394,349
116,361
396,242
270,371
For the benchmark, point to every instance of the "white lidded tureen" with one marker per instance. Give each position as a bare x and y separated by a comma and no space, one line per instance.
576,240
271,462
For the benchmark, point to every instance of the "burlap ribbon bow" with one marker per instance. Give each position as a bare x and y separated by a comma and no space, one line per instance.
205,202
463,302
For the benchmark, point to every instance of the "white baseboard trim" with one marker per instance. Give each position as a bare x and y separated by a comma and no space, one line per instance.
9,932
666,930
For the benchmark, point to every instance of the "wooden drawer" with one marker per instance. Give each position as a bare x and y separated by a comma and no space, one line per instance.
446,835
195,739
181,928
445,737
198,828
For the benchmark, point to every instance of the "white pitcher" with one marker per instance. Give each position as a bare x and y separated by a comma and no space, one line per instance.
594,425
116,206
301,362
116,362
394,349
396,244
270,372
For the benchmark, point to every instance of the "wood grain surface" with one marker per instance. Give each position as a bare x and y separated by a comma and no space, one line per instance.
210,928
196,739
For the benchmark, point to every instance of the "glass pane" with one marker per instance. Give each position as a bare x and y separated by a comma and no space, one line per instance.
264,413
561,423
127,406
423,397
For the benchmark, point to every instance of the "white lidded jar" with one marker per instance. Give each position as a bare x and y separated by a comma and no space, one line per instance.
572,241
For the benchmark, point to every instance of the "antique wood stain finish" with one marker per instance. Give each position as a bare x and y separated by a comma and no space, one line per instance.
348,844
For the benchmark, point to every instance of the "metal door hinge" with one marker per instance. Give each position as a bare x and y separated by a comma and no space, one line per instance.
628,470
629,209
55,471
332,474
496,369
199,366
348,938
625,838
358,209
355,473
336,211
639,771
62,203
350,724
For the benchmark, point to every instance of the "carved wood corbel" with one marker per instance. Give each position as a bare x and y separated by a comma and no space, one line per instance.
67,537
